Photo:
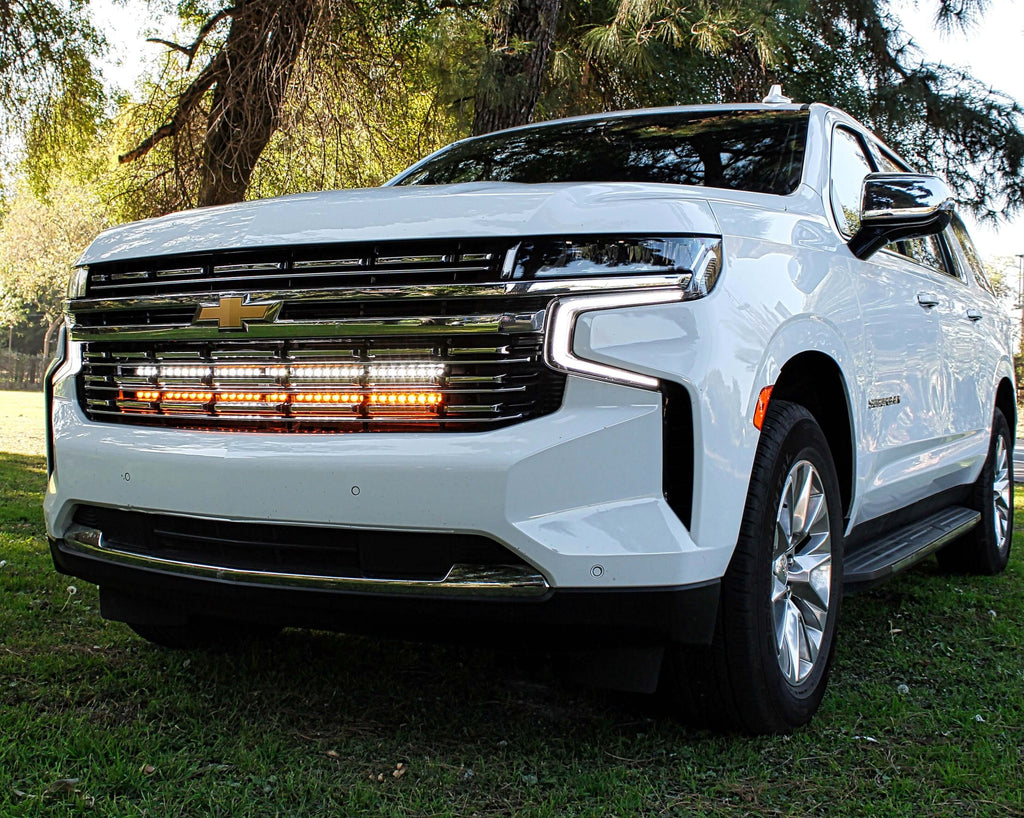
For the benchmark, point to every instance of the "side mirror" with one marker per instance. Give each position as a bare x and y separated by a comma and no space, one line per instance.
900,206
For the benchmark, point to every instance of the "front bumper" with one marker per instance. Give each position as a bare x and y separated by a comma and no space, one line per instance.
577,494
579,619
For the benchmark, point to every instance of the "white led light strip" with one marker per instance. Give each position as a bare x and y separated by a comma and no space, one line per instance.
398,372
562,324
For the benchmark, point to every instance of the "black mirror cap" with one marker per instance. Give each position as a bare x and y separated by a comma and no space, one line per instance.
900,206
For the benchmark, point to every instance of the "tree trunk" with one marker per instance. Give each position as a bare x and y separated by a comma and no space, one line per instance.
48,337
510,81
262,48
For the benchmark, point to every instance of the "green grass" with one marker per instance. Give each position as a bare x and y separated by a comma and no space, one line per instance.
317,724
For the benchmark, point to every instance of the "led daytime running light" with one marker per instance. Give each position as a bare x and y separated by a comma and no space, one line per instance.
562,324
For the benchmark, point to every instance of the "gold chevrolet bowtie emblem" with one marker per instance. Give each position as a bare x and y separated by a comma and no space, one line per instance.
233,312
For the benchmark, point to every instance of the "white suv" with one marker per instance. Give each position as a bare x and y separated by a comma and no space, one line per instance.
663,383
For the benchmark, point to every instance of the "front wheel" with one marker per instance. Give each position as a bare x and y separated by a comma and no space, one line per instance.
769,662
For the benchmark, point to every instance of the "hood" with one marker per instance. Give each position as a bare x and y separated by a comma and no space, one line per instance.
476,210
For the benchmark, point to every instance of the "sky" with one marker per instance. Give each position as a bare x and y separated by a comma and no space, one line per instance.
987,51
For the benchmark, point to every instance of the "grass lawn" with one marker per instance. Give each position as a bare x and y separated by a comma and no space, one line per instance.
21,423
925,714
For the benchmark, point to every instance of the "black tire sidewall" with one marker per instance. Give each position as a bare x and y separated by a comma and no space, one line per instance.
789,435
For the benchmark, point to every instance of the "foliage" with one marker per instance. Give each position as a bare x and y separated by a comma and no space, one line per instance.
1003,272
378,83
39,242
47,80
367,97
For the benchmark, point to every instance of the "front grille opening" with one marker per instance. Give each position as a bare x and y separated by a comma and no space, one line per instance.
378,384
284,549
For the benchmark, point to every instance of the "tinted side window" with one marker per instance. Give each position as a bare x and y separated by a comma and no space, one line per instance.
848,168
971,254
927,250
885,163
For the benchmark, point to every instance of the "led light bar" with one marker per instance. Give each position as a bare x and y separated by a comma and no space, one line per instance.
396,372
373,400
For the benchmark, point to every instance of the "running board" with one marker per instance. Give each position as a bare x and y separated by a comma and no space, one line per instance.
876,561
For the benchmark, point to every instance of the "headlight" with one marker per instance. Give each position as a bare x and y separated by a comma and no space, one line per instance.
76,286
696,259
670,269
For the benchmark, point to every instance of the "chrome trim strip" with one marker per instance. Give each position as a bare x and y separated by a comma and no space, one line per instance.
461,581
342,328
254,267
496,289
303,272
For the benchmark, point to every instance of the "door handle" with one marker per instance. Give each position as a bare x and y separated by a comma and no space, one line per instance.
927,300
974,315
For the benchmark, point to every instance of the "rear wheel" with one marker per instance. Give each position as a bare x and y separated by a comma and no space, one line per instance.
768,666
986,548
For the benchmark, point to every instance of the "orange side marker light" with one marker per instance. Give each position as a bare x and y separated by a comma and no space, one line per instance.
762,406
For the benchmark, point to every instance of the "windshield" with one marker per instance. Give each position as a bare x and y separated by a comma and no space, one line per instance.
760,151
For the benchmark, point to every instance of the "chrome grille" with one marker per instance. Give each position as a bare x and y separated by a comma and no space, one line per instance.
235,340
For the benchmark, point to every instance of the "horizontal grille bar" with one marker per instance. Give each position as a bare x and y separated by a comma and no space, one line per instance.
431,262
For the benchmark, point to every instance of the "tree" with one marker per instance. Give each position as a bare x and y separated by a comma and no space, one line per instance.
248,75
370,91
39,243
46,49
352,80
511,76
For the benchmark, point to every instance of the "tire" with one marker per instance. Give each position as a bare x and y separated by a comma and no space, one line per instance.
986,548
203,634
752,679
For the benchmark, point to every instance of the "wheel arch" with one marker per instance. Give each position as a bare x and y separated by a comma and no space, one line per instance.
815,381
1006,402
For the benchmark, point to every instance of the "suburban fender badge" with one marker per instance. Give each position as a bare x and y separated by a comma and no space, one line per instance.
235,312
878,403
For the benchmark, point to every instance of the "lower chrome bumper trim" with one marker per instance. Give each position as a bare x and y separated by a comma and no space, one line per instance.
500,581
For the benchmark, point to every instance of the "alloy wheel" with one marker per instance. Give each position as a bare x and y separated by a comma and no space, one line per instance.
801,572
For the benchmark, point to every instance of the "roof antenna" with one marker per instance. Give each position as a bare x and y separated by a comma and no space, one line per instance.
775,97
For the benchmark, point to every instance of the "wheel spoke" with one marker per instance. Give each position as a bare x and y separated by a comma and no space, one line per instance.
791,643
802,499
